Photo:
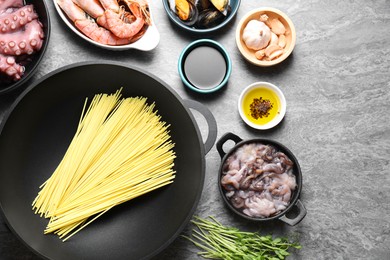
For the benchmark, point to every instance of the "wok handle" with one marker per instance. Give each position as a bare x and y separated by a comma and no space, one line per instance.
210,119
226,137
298,218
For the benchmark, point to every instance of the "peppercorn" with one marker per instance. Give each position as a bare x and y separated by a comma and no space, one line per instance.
260,107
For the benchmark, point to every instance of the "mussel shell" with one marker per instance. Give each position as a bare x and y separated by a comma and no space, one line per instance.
201,4
211,17
221,5
192,15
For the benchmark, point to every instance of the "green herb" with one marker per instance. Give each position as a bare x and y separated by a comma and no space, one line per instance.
220,242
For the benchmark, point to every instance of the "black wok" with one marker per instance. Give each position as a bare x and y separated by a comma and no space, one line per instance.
37,131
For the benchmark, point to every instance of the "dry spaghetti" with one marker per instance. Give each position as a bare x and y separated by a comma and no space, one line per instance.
121,150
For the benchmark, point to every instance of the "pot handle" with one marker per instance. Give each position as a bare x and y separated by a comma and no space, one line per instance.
210,119
298,218
226,137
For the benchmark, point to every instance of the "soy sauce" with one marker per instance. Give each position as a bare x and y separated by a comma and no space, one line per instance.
205,67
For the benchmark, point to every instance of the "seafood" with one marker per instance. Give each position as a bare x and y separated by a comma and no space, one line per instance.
109,22
21,35
88,26
26,41
185,10
258,180
9,67
122,29
209,18
200,14
221,5
17,19
5,4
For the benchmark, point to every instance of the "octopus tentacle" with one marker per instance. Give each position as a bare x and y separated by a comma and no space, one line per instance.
17,19
9,67
4,4
25,41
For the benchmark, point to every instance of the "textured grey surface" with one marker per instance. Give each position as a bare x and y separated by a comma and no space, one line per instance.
337,86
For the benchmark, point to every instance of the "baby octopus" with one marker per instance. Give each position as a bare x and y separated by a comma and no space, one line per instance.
21,35
258,180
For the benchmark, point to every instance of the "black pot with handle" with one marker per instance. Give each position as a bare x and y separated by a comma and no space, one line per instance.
36,132
294,201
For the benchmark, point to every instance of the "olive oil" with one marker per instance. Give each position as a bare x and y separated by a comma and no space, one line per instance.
265,94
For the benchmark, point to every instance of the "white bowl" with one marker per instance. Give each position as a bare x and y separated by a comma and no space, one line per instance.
279,108
147,42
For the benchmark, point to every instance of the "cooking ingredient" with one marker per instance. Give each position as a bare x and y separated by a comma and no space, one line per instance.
265,94
21,35
258,180
260,54
109,22
122,29
282,41
222,242
88,26
273,51
205,67
221,5
277,27
10,68
209,18
121,150
201,14
5,4
274,39
256,35
25,41
260,108
266,48
14,19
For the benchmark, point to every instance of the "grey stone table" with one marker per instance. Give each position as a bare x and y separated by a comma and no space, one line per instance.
337,86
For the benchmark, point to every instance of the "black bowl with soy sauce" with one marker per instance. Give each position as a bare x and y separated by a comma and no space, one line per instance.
204,66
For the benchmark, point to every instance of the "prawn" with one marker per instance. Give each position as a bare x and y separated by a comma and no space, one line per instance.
119,27
87,26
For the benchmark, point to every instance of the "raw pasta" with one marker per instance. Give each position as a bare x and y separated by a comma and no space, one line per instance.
121,150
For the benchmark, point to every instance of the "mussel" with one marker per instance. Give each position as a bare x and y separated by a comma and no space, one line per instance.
209,18
201,14
201,4
185,10
221,5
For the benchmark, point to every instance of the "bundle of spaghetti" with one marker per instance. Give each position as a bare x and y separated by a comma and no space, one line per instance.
121,150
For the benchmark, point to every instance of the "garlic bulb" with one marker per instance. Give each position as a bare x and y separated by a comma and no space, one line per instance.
256,35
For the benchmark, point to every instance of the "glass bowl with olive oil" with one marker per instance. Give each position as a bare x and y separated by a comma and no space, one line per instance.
262,105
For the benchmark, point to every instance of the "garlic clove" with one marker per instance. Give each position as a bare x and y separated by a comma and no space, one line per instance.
274,39
263,18
272,48
260,54
275,54
277,27
282,41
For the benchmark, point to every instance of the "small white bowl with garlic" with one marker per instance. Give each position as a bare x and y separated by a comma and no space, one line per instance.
265,36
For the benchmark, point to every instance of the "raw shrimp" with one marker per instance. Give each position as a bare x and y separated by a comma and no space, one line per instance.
122,29
110,5
88,26
91,7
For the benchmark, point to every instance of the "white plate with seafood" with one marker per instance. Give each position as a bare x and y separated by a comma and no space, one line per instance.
111,24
